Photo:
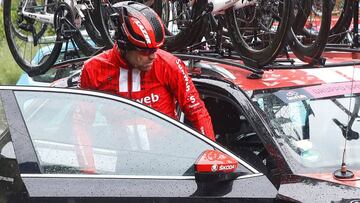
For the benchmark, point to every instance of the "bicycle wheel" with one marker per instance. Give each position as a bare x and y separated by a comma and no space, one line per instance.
178,28
310,30
259,31
185,27
33,44
162,8
342,16
83,30
92,23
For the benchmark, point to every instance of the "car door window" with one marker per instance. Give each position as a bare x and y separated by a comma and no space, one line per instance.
75,133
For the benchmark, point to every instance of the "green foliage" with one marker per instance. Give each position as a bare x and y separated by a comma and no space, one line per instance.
9,70
2,33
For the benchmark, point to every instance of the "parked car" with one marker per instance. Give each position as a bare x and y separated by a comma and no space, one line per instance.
145,157
292,125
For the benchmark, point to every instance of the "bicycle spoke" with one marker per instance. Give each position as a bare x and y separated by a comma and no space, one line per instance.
26,34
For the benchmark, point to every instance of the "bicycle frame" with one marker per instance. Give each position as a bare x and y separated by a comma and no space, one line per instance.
45,18
49,17
219,6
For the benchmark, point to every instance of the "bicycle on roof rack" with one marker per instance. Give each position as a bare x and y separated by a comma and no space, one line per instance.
35,28
254,31
188,21
307,37
344,34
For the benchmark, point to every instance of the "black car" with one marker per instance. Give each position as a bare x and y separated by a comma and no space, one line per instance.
288,132
142,157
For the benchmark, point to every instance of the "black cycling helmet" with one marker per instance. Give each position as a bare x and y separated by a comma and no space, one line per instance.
138,26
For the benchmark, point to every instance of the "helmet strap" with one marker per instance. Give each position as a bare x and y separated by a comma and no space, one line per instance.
122,50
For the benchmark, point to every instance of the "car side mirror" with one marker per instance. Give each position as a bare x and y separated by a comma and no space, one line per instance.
216,166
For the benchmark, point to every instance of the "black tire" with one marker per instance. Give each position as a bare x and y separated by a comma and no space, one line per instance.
162,8
104,10
92,23
85,45
260,45
187,34
309,43
33,58
339,30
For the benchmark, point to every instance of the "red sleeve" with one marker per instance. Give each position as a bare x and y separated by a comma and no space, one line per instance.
82,119
85,81
188,97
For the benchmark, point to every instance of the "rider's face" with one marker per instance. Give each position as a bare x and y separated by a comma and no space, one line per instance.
141,59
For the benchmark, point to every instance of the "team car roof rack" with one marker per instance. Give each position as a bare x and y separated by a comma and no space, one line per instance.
255,72
310,66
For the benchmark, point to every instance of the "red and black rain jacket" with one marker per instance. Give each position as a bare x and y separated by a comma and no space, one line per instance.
159,88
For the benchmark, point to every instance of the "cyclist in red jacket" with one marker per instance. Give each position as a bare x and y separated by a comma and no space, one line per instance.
137,69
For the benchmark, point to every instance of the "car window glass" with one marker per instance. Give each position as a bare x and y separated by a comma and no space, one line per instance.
307,127
6,147
55,74
85,134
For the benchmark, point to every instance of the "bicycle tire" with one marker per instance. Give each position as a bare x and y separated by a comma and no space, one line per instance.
260,50
162,8
92,23
338,32
172,42
30,65
189,34
314,40
87,46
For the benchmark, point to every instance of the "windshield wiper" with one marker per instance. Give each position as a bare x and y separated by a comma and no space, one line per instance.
346,130
343,173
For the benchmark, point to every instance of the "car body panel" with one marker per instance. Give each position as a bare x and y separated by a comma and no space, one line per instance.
122,187
232,86
315,190
319,83
278,78
26,157
353,182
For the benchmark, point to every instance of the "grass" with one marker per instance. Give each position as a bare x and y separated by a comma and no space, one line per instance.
9,70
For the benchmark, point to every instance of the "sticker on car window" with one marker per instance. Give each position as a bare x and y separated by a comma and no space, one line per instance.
318,91
293,95
334,89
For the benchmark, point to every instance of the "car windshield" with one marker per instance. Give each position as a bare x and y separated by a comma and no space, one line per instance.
312,123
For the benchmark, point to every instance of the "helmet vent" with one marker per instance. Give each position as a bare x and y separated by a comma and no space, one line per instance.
156,25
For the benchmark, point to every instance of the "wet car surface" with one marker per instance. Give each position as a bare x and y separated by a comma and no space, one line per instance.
292,125
142,156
